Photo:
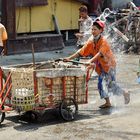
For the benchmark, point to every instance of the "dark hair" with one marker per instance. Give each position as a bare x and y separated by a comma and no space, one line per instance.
83,8
97,25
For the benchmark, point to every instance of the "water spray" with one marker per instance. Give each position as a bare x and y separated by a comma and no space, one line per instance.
104,15
120,34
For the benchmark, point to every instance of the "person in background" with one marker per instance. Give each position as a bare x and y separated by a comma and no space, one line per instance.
85,26
105,64
3,38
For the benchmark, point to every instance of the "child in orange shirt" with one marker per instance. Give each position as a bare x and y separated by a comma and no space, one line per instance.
105,63
3,38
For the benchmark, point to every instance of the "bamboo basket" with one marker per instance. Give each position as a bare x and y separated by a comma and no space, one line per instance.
22,89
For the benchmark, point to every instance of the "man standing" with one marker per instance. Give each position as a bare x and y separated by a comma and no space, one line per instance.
85,27
3,38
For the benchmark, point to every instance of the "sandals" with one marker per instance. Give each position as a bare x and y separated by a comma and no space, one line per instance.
105,106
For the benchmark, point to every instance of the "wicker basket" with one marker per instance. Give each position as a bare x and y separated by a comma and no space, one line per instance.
22,89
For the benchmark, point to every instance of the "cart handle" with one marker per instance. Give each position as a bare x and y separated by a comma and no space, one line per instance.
89,73
72,61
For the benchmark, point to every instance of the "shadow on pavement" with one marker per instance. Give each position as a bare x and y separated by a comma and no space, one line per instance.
51,117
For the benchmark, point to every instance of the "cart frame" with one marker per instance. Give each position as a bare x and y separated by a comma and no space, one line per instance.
65,104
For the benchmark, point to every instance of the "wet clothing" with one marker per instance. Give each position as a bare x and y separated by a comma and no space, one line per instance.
85,27
104,62
107,84
105,66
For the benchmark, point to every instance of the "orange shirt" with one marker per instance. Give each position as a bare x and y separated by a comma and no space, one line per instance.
3,34
104,62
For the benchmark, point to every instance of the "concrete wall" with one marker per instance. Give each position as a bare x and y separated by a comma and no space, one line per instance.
39,18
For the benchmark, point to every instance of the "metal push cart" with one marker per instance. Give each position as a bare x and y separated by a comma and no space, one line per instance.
47,85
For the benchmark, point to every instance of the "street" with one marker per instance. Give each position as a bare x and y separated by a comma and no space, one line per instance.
120,122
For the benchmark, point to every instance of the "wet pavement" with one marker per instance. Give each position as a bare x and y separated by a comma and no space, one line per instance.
39,57
120,122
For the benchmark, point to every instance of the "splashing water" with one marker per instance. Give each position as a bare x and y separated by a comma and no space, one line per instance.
115,39
105,14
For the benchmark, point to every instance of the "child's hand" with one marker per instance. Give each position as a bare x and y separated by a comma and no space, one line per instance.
66,59
89,65
80,19
78,35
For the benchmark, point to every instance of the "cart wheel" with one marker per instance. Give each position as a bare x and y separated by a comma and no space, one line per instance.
68,109
2,115
32,116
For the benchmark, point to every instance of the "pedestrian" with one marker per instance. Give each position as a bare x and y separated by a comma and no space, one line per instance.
85,26
105,64
3,38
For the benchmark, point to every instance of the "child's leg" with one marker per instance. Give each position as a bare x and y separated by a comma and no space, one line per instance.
103,90
116,89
